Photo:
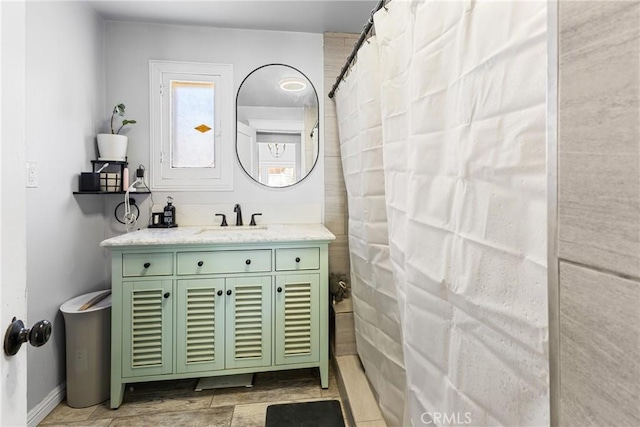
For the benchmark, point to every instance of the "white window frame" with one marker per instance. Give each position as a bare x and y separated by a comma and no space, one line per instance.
294,126
165,178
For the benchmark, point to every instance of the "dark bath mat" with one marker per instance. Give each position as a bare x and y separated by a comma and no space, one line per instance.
325,413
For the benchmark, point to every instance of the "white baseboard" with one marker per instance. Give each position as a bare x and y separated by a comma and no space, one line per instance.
48,404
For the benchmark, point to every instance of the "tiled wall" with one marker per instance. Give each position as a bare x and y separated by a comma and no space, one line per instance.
337,47
599,212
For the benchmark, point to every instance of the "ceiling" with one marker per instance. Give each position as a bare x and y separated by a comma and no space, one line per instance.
262,88
307,16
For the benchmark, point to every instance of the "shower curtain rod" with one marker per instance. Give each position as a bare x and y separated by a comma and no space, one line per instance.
351,57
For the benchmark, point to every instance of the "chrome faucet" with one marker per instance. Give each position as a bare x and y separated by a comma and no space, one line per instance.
238,212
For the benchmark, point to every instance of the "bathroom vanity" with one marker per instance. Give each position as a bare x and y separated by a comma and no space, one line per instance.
208,301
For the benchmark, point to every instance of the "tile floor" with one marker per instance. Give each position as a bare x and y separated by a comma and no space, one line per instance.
174,403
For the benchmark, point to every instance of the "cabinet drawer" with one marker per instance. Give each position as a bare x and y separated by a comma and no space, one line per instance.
134,265
224,262
297,259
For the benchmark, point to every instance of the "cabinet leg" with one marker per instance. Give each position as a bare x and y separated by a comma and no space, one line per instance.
324,375
117,393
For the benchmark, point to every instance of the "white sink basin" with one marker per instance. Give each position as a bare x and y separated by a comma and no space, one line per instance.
231,229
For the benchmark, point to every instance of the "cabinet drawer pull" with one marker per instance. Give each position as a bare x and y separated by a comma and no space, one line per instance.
200,263
219,293
248,262
229,292
167,295
147,265
297,259
279,289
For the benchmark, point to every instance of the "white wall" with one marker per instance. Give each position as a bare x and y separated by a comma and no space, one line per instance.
269,113
64,107
130,46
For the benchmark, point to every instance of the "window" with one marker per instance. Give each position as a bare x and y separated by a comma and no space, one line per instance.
277,163
192,136
280,148
192,144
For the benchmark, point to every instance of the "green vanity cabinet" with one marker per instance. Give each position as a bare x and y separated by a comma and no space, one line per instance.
202,310
223,323
200,317
147,341
248,322
297,319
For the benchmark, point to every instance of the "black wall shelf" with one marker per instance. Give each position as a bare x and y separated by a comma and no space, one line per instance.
116,166
131,193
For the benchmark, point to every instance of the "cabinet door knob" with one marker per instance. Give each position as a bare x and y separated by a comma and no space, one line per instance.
219,293
279,289
229,292
297,259
248,262
200,263
167,295
147,265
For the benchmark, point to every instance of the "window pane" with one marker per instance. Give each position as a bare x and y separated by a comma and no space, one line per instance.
277,163
192,124
281,176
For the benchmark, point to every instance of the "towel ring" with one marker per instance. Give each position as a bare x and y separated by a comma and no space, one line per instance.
132,203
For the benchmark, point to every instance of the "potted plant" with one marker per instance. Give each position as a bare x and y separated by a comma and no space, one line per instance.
113,146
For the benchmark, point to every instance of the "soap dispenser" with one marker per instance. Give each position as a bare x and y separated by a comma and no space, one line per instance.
170,213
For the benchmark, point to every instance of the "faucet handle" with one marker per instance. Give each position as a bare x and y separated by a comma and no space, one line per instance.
224,220
253,218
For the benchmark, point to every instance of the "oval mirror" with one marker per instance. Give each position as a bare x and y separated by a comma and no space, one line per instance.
277,125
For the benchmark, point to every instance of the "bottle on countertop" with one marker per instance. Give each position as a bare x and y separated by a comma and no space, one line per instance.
169,213
125,179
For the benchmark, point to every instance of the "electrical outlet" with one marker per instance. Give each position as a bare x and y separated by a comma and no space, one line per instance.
32,175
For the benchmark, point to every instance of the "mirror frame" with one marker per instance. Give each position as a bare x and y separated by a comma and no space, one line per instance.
315,162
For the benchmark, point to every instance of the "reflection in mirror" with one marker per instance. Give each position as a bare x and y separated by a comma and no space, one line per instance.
277,125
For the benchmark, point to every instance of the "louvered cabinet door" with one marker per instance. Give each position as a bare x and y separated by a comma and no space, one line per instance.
200,325
248,322
297,318
147,314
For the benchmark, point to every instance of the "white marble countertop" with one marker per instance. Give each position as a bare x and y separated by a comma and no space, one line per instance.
202,235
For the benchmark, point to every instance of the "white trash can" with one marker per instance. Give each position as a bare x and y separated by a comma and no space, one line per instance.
87,321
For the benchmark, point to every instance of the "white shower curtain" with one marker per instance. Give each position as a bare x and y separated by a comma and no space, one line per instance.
376,311
463,106
461,94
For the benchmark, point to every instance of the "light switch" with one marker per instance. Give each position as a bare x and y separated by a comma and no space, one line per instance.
32,175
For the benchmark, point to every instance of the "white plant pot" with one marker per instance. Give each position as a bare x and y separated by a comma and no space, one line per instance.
112,147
